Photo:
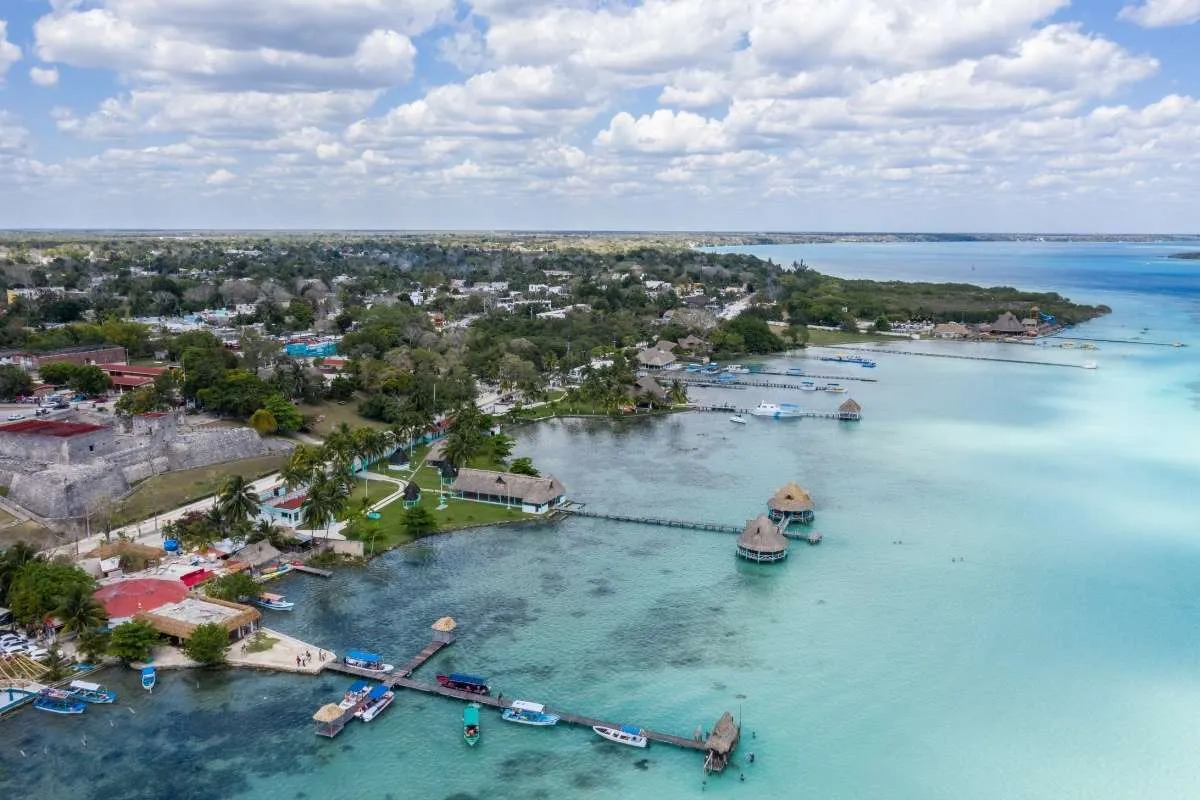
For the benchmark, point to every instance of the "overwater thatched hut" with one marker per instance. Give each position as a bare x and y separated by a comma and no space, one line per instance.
791,504
331,718
761,541
443,630
720,744
850,410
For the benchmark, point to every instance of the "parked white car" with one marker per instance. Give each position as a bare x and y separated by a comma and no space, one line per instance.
37,653
14,648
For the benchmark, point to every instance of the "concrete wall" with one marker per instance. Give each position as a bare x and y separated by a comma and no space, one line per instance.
58,449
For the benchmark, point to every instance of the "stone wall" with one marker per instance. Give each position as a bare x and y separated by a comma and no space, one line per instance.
57,449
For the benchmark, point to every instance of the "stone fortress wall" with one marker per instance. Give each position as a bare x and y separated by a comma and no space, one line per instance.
41,479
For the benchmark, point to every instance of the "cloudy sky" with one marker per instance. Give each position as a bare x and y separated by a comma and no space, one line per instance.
988,115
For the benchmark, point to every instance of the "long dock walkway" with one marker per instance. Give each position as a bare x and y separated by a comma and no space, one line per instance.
967,358
768,384
402,679
801,414
324,573
1065,338
718,527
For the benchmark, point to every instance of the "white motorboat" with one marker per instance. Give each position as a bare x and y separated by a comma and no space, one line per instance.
275,602
776,411
1088,365
737,369
738,418
527,713
808,386
836,388
377,700
626,734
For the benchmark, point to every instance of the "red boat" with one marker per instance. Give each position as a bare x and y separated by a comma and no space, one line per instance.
465,683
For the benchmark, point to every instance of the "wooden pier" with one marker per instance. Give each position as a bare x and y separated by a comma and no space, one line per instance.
401,679
718,527
1064,338
324,573
736,383
729,409
962,357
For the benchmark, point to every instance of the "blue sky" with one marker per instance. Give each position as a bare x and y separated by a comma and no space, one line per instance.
981,115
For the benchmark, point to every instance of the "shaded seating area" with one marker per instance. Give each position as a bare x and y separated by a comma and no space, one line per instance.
791,503
850,410
761,541
720,744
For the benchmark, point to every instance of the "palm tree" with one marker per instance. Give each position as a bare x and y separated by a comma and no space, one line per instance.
677,394
11,562
327,498
79,611
237,500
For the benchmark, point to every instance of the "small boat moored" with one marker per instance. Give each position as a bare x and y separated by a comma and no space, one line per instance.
527,713
1088,365
471,724
57,701
377,700
738,418
836,388
369,662
355,695
626,734
91,692
775,411
149,677
465,683
737,369
275,602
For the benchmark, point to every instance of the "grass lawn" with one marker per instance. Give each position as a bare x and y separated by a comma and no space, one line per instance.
260,643
819,337
333,414
172,489
389,530
31,532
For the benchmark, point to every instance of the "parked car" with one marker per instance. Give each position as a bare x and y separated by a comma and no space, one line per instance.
37,653
9,638
16,415
61,406
13,649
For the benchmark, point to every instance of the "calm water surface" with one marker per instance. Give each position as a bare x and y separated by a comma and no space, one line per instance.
1004,605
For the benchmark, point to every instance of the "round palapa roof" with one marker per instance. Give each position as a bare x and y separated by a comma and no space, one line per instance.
328,713
790,499
445,625
762,536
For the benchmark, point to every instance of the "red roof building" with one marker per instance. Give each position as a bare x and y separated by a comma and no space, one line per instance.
131,597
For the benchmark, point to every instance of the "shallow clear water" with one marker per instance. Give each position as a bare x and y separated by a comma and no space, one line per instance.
1032,636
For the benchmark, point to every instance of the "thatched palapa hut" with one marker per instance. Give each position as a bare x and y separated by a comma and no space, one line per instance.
720,744
176,621
791,503
331,718
443,630
850,410
761,541
412,494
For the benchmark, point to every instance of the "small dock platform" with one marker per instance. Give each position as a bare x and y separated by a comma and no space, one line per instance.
305,568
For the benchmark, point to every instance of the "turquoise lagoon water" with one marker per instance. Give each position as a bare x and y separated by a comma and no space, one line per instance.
1004,605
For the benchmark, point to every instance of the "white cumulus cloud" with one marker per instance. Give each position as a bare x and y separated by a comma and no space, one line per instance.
41,76
9,52
1163,13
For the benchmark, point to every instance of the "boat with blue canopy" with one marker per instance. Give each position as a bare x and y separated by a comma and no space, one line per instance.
463,682
57,701
355,695
367,661
149,677
377,700
471,724
631,735
91,692
526,713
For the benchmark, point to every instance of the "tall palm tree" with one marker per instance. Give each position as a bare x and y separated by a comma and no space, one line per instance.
677,394
237,500
79,611
327,498
11,562
300,466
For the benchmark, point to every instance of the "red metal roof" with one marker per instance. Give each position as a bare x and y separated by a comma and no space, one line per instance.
130,380
45,427
153,414
291,504
196,576
127,369
126,598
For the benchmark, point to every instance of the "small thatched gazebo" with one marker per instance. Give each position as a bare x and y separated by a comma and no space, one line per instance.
761,541
412,494
791,503
331,718
443,630
850,410
719,745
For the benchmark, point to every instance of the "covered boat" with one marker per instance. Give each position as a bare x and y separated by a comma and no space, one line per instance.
377,700
275,602
780,411
57,701
626,734
527,713
355,695
149,676
91,692
471,724
371,662
465,683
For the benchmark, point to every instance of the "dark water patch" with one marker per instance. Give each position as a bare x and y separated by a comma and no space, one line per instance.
587,780
461,796
578,613
553,582
531,763
642,764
